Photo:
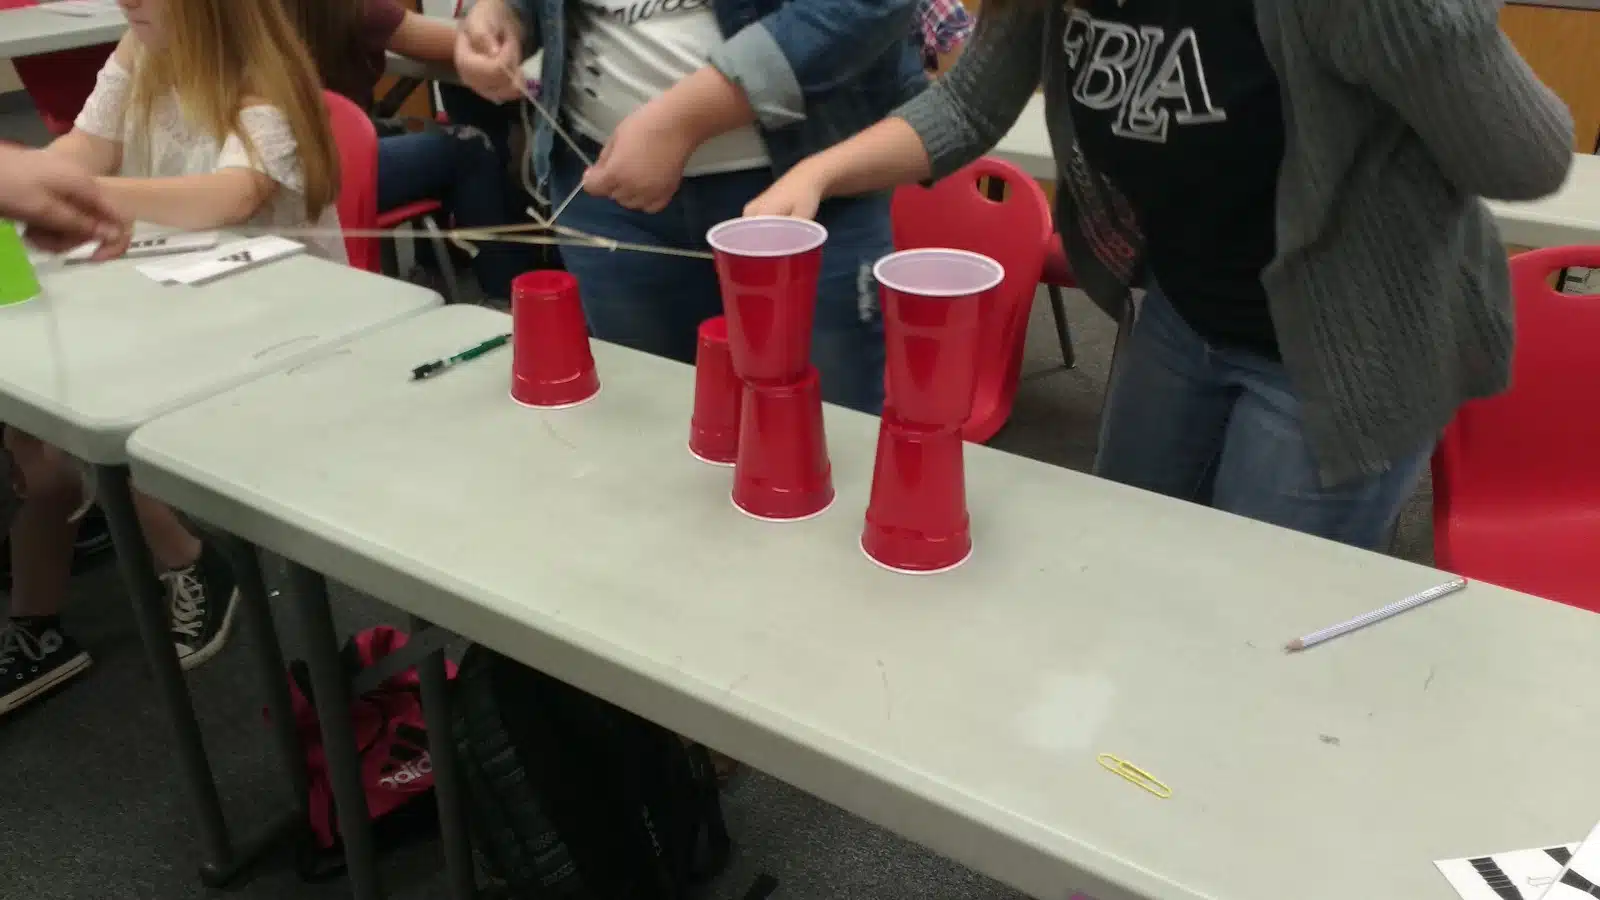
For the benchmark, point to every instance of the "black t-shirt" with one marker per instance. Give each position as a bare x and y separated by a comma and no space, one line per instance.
1176,102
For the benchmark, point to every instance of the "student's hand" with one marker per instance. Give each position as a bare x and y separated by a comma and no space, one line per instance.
58,203
489,50
798,194
642,165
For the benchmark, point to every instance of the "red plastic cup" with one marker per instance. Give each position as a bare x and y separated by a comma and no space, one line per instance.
551,365
933,302
767,267
718,392
917,518
782,473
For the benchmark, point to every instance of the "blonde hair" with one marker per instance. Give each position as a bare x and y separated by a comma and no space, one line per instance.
220,56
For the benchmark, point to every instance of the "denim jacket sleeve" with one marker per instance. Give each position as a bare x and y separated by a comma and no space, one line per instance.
529,17
809,47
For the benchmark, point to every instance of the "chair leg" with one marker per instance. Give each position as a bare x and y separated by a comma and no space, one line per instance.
389,258
441,250
1058,310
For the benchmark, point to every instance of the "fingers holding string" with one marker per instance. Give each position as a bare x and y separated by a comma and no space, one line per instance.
527,94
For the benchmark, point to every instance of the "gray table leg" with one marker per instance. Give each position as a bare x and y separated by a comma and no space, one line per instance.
246,562
151,615
309,596
448,791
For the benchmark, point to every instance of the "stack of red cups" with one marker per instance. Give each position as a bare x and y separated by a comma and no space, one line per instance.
933,304
768,267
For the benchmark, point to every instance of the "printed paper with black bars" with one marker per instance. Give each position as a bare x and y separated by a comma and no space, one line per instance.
228,259
1514,875
1580,880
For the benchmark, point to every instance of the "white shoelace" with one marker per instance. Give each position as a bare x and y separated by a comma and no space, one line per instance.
188,601
15,640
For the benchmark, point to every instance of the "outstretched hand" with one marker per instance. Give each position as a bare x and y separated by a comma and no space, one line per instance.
58,204
796,194
642,164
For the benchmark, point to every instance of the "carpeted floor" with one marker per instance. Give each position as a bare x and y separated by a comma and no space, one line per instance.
90,808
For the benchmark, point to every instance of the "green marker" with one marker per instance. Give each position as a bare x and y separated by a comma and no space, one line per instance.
428,370
17,279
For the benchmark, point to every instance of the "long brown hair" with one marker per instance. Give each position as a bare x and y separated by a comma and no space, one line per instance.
220,55
331,30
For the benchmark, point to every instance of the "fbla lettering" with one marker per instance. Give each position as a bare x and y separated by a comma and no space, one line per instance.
1149,80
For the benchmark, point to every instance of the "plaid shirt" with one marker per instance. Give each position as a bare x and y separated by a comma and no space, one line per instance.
945,26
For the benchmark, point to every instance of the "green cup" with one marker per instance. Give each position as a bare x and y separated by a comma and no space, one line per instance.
18,283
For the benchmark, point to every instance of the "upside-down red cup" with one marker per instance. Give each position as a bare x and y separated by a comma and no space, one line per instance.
782,472
767,267
718,392
933,303
551,364
917,517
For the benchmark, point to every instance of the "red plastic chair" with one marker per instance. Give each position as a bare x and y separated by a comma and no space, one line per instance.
1516,484
357,141
58,83
956,213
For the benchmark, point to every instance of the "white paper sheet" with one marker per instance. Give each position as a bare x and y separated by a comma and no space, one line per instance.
1580,880
147,241
152,245
1512,875
219,262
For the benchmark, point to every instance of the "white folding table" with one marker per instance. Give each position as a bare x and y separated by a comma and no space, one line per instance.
32,30
104,349
965,711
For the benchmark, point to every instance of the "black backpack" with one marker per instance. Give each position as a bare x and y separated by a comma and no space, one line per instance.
576,799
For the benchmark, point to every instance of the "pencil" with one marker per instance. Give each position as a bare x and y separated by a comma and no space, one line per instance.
428,370
1377,615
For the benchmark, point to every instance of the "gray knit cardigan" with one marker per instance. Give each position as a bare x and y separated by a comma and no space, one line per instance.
1389,290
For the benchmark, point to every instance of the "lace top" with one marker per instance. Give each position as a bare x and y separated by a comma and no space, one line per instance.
171,147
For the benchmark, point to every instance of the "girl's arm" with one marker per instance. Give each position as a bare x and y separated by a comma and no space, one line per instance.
192,202
422,38
1492,126
92,153
247,176
960,117
95,141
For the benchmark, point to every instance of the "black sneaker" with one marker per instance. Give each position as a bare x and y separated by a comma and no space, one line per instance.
201,600
33,660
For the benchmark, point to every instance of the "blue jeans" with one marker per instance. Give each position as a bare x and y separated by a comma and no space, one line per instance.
1223,427
655,302
459,167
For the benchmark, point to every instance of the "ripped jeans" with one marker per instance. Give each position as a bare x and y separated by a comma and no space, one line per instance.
655,302
459,167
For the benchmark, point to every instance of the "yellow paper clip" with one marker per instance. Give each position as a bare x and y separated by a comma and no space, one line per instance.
1130,772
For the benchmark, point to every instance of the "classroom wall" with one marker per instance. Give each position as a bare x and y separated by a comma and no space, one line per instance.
1563,46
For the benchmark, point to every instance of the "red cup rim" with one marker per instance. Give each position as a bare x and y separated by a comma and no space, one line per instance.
718,236
881,271
715,329
543,282
889,567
